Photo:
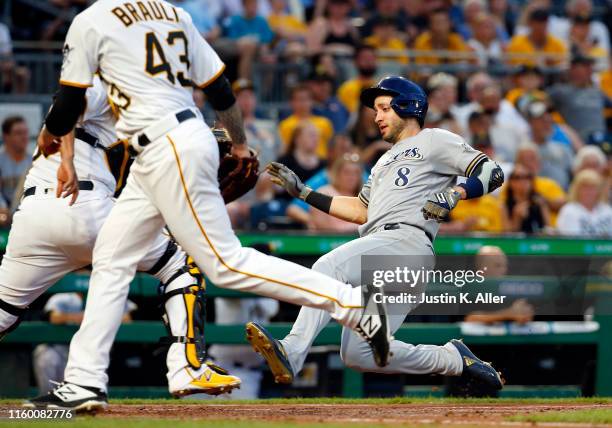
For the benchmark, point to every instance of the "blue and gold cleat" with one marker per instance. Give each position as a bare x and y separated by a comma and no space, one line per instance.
272,350
476,369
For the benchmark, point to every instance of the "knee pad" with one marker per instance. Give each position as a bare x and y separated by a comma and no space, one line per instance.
171,249
194,300
14,311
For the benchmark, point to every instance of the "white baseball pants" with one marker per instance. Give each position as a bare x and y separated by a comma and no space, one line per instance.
174,182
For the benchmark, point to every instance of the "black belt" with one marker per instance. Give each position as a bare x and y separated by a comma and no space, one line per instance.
181,116
394,226
83,185
86,137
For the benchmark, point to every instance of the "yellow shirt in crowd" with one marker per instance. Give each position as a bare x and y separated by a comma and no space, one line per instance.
349,92
521,44
393,44
326,131
424,43
486,209
547,188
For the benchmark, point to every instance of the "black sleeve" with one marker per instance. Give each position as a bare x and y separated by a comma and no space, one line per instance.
219,94
68,105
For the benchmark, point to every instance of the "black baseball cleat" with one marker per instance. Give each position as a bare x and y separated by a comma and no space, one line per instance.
476,369
72,397
374,326
272,350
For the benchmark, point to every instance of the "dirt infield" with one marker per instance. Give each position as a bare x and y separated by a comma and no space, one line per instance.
438,414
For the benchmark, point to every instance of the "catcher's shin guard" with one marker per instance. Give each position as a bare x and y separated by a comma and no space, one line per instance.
194,303
10,311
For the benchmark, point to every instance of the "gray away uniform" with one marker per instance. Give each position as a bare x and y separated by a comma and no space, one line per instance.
400,183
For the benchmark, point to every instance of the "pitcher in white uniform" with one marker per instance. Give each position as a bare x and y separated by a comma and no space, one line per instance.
50,238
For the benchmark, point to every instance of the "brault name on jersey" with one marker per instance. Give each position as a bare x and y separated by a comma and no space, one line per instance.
132,12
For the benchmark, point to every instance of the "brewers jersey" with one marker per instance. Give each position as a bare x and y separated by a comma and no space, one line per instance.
409,173
90,163
148,53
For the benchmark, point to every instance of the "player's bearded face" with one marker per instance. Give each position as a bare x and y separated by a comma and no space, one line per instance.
389,123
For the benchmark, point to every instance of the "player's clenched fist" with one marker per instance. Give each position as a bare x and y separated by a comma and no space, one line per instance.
286,178
48,143
440,205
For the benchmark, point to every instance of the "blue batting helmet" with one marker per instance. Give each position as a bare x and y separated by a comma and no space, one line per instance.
409,99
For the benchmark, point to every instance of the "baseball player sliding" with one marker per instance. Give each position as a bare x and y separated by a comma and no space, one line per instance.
150,56
409,191
43,248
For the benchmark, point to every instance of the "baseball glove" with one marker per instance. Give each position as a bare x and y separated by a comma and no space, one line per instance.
236,175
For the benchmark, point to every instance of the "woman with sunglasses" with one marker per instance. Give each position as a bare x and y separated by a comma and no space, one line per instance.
527,211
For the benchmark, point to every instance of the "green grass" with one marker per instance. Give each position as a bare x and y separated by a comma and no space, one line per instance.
591,416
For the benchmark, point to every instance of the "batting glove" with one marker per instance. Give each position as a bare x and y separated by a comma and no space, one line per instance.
438,207
288,179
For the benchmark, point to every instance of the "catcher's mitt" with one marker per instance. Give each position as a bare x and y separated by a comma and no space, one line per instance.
236,175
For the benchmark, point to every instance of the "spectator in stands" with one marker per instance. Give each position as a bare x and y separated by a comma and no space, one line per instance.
252,36
366,66
588,212
261,133
537,47
583,10
526,211
340,147
386,9
366,136
334,33
439,36
473,10
484,40
582,44
302,157
526,80
493,263
484,214
474,86
326,103
387,41
590,157
442,98
528,155
504,15
508,128
205,14
290,31
345,180
553,145
302,105
15,160
262,136
15,78
579,101
49,360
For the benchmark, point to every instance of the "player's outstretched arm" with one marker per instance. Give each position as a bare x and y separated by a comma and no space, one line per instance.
343,207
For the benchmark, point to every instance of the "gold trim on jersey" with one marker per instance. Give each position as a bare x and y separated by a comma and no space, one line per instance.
212,79
74,84
472,165
214,250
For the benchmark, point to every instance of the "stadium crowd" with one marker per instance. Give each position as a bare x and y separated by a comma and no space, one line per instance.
528,83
